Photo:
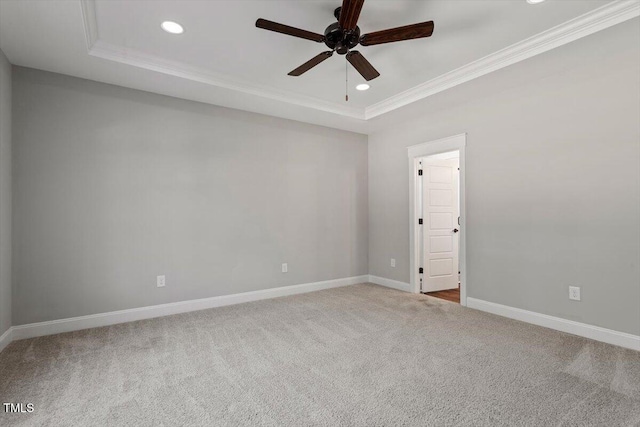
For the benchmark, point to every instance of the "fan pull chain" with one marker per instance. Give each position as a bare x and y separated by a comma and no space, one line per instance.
346,81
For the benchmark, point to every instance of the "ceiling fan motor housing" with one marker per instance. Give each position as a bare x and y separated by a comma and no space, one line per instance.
336,38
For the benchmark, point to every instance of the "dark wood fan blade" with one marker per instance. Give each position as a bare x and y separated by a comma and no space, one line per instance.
362,65
311,63
349,13
415,31
291,31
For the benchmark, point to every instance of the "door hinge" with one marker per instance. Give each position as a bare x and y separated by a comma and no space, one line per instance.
420,221
420,270
420,172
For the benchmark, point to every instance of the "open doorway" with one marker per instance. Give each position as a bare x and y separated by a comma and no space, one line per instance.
437,218
439,225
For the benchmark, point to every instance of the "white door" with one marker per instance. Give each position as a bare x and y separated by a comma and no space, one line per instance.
440,201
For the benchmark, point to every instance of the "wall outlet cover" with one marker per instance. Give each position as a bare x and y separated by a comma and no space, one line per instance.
285,267
160,281
574,293
393,262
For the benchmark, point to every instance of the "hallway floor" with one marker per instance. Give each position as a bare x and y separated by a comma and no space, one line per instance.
452,295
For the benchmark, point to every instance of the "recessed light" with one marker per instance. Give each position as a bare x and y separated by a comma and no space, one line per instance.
534,1
362,86
172,27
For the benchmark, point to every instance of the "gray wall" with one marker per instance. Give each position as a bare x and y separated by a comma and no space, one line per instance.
552,178
5,194
115,186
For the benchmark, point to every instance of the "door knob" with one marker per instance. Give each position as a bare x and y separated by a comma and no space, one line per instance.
455,230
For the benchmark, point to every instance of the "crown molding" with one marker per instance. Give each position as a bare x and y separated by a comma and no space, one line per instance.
136,58
582,26
599,19
90,22
139,59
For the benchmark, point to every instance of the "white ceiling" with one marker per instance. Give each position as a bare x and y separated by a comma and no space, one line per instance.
221,37
223,59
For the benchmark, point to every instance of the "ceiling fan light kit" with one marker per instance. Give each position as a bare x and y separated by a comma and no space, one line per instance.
342,36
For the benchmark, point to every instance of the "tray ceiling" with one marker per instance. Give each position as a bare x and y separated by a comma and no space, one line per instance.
221,58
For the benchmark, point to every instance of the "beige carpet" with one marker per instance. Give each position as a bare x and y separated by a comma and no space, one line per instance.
360,355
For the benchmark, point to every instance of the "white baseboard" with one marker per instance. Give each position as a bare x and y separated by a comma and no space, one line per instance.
105,319
6,338
389,283
597,333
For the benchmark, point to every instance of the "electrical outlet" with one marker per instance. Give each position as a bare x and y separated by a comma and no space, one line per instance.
285,267
160,281
393,262
574,293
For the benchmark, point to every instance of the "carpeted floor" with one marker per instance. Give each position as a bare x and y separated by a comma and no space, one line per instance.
360,355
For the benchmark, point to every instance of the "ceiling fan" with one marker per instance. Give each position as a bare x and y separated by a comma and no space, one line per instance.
344,35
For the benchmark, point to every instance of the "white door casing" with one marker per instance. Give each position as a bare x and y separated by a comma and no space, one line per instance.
414,154
440,227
